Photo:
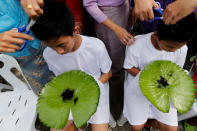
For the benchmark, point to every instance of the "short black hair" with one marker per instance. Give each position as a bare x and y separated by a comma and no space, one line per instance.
56,21
183,31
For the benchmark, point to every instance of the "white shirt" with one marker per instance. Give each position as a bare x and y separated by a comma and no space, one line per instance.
91,57
137,108
143,52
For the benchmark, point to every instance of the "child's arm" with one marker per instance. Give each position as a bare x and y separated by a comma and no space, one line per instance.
105,77
133,71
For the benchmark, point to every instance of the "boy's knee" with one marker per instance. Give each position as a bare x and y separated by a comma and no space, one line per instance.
137,128
170,128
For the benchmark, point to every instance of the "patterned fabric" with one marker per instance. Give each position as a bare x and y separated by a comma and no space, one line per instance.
35,66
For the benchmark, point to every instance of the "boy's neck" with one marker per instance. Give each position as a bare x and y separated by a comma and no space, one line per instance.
77,44
154,41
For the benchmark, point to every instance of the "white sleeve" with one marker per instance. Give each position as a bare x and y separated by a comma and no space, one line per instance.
105,62
47,60
51,68
131,59
180,60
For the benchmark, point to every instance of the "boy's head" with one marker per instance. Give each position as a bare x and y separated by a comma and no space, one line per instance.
173,37
55,26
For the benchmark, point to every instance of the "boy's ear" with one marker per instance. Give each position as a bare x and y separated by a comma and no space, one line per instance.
75,31
155,35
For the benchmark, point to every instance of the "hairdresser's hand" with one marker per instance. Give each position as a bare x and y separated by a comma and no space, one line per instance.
124,36
8,38
143,9
120,32
78,28
133,17
33,8
178,10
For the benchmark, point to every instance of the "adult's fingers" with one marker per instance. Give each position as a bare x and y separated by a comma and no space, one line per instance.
8,45
11,46
41,3
155,5
22,36
141,17
130,40
150,14
16,40
4,49
30,11
174,19
124,41
167,15
145,15
37,8
169,20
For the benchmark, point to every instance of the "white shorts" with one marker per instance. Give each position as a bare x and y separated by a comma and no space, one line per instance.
137,109
102,114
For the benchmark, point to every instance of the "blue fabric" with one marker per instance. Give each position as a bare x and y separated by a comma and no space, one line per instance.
12,15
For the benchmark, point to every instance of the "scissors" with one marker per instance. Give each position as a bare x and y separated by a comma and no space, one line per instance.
26,30
160,11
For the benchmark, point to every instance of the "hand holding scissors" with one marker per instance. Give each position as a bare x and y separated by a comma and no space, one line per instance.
26,29
160,11
9,38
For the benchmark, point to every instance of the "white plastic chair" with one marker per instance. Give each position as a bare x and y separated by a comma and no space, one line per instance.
17,107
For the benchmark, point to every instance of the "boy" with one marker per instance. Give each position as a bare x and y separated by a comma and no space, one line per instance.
168,43
67,51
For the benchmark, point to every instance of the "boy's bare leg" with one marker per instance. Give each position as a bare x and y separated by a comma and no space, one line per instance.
72,127
137,127
100,127
161,126
69,127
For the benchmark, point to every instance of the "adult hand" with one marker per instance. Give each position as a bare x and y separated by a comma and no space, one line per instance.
143,9
8,38
178,10
120,32
133,17
124,36
78,28
33,8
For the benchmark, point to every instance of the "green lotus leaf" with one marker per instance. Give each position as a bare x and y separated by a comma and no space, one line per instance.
73,91
163,81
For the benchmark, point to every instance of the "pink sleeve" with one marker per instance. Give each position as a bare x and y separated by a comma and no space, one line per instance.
92,8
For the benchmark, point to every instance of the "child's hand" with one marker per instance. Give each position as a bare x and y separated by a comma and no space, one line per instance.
33,7
8,38
105,77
